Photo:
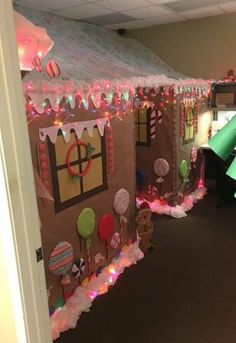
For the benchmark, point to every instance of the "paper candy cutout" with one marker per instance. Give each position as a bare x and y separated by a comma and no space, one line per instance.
98,258
61,258
115,240
106,227
121,201
78,268
161,168
86,223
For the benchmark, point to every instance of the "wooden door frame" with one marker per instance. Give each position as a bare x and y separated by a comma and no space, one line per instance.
20,237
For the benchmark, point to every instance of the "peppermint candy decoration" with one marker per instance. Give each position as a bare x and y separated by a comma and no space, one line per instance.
53,69
78,268
98,257
152,190
37,64
115,241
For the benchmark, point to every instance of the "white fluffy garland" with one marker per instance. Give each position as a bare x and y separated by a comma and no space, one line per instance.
66,317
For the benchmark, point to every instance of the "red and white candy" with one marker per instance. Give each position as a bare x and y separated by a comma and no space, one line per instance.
53,69
152,190
115,240
110,153
37,64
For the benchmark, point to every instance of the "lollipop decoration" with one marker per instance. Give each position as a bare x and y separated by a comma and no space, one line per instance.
60,261
183,171
85,227
121,204
105,229
161,168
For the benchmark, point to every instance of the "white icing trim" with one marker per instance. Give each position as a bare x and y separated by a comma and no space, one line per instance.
78,127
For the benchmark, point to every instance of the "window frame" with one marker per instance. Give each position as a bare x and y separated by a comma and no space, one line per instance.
147,123
189,140
60,206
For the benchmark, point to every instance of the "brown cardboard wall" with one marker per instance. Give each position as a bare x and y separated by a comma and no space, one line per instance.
62,226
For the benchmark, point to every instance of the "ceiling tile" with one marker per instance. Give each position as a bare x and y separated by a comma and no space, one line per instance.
83,11
148,12
135,24
165,19
159,2
229,6
187,5
51,4
203,12
123,5
108,19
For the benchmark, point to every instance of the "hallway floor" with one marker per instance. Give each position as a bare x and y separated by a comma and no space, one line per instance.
184,291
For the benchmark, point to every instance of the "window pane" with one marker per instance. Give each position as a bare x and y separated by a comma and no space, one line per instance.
61,149
143,116
142,133
95,142
94,177
69,187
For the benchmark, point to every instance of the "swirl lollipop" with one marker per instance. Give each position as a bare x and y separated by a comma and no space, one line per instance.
121,204
60,261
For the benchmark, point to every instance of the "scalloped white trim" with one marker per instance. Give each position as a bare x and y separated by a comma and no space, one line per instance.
78,127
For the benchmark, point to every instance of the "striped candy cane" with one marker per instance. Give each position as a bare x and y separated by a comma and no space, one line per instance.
182,119
159,117
153,124
110,152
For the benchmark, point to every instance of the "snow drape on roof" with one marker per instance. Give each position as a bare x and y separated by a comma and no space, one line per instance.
88,53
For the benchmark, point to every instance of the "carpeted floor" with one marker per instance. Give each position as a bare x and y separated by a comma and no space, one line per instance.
182,292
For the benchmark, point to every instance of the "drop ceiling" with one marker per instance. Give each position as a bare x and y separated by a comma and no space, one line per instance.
131,14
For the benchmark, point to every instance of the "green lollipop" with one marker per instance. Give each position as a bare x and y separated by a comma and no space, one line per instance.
85,226
183,170
86,223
